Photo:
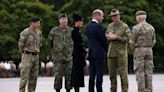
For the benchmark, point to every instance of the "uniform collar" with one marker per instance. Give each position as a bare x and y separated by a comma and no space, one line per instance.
119,23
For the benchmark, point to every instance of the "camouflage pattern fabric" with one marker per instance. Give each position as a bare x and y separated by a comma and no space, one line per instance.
62,68
143,39
62,46
29,72
31,40
29,63
117,55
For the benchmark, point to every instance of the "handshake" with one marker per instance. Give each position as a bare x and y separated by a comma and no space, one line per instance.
112,36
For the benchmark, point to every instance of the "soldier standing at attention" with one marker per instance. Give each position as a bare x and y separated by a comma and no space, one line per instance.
142,41
61,44
117,35
29,46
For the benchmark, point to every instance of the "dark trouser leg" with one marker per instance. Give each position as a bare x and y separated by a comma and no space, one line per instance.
91,75
112,68
76,89
99,73
67,90
57,90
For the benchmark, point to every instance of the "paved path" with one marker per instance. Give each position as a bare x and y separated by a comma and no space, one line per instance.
45,84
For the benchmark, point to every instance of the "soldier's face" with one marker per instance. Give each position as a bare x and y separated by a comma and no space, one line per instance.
63,21
139,18
36,24
116,18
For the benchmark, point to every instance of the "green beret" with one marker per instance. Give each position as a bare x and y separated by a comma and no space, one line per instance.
35,19
141,12
62,15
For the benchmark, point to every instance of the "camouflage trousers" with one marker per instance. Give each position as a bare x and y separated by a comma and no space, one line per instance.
29,72
118,65
143,67
62,69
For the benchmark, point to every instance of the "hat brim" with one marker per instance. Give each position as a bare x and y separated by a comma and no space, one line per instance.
115,14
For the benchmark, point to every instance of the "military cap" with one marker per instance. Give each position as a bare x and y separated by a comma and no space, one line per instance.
114,12
35,19
140,12
62,15
77,17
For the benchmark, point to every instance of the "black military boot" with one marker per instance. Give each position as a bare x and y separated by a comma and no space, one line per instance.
67,90
57,90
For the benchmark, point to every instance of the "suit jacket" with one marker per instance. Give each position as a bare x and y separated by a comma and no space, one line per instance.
96,40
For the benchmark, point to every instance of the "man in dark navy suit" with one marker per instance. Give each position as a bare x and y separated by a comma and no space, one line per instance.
97,47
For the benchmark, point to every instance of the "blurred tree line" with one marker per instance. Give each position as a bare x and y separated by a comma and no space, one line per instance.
15,15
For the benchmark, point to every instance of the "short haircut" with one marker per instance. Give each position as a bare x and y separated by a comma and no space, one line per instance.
97,12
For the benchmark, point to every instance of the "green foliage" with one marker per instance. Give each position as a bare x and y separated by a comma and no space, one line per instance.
15,15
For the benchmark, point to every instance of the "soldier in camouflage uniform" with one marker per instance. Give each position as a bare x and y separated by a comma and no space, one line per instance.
29,46
62,45
117,35
142,41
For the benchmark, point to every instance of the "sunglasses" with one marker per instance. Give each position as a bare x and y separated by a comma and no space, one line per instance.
114,15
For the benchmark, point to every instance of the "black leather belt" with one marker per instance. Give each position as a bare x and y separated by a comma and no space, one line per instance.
32,53
142,47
